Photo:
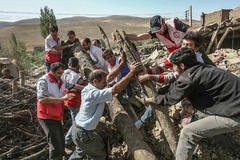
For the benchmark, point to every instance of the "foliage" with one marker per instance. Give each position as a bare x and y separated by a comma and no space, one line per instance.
138,43
47,18
17,49
151,41
37,49
102,43
25,60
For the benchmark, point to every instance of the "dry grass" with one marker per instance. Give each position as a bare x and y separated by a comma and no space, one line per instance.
28,31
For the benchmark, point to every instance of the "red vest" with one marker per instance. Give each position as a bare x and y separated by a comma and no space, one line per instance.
73,102
52,110
71,76
52,57
174,41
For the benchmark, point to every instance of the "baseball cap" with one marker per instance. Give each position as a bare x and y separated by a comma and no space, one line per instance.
156,23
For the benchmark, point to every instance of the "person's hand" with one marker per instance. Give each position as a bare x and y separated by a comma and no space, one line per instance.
123,56
143,77
71,45
148,100
136,67
68,95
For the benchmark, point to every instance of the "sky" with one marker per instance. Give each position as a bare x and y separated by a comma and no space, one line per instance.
14,10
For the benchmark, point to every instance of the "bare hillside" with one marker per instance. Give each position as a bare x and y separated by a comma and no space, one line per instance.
28,30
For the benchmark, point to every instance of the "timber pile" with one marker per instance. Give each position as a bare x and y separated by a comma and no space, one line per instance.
21,136
216,29
207,31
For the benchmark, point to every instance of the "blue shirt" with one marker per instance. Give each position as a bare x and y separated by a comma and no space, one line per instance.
92,106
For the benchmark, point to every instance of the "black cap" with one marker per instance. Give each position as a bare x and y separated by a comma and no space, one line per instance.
156,23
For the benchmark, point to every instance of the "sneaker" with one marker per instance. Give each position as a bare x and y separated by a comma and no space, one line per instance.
124,101
138,124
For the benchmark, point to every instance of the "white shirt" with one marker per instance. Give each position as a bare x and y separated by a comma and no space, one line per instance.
96,55
50,43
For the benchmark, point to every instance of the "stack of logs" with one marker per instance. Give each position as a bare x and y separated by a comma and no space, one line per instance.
21,136
216,29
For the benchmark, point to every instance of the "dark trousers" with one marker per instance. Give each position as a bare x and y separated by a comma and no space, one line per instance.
88,144
48,66
55,138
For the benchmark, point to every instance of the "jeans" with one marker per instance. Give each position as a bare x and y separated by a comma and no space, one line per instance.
55,138
88,144
73,112
147,115
204,128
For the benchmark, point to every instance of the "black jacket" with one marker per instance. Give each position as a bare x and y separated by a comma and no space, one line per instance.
210,90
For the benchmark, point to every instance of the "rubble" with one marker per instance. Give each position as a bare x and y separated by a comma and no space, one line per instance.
21,136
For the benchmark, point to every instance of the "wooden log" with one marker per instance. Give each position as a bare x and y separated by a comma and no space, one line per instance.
22,77
37,155
130,133
128,108
149,88
212,41
4,155
30,149
132,114
14,86
223,37
133,138
104,37
85,61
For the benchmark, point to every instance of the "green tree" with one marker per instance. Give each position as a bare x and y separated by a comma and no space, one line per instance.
47,17
17,49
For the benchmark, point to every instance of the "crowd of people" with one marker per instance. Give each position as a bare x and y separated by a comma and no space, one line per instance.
195,79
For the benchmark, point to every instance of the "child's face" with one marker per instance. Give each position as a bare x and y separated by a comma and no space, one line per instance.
111,59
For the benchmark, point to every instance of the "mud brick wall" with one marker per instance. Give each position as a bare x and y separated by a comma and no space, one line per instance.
217,17
235,13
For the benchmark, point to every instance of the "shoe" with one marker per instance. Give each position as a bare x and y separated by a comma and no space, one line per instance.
138,124
124,101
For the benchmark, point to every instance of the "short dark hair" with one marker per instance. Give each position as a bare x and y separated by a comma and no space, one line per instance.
184,55
87,40
54,66
71,32
53,27
196,37
97,40
106,53
73,62
97,74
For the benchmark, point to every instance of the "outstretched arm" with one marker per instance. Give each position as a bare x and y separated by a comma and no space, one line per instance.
140,37
125,80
